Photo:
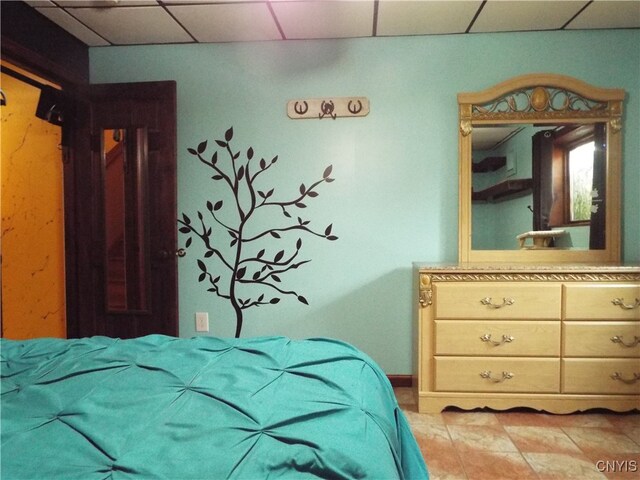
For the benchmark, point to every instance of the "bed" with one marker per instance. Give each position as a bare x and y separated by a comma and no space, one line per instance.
160,407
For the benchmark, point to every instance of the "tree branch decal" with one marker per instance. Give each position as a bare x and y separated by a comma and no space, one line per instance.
262,269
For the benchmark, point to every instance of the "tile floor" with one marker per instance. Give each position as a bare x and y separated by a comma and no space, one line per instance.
523,444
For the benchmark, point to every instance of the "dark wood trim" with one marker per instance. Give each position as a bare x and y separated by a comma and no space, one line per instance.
400,380
32,41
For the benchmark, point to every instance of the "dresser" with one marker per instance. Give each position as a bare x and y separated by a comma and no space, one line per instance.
555,338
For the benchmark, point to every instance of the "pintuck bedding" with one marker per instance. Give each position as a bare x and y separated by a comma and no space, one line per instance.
160,407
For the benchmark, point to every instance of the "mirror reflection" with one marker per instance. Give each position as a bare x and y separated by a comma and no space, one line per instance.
538,186
124,173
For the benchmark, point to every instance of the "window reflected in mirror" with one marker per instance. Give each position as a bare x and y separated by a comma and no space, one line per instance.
124,174
580,180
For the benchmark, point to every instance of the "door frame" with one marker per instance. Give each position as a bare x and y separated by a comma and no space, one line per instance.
55,55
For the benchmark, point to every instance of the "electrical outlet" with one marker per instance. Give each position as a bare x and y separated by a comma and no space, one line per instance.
202,322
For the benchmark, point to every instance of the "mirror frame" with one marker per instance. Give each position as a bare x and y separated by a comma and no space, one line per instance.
579,103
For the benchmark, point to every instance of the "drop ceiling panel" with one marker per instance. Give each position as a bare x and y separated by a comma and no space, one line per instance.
609,14
228,22
420,18
327,19
106,3
73,26
509,16
132,25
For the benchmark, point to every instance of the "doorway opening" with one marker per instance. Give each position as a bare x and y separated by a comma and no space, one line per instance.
32,205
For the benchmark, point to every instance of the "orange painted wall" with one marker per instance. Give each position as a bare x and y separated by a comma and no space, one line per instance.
33,294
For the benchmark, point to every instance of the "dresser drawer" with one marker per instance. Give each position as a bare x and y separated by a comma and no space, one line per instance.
487,374
598,301
618,376
495,338
602,339
497,300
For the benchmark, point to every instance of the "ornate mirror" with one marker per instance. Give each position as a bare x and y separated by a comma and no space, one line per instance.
540,162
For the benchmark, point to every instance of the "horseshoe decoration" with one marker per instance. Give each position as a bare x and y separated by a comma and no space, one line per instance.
327,107
351,106
302,108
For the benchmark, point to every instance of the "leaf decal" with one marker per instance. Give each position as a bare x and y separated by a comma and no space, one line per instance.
192,151
273,301
327,230
301,299
188,242
202,146
250,153
332,237
302,189
228,135
240,273
275,234
184,230
209,206
327,172
260,253
241,172
300,205
276,278
202,277
186,219
202,266
221,143
278,256
218,205
299,244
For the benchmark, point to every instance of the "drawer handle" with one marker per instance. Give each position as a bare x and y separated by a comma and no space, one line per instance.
630,381
505,301
505,376
633,343
505,339
625,306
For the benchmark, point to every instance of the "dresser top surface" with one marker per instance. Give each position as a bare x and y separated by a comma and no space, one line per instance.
525,268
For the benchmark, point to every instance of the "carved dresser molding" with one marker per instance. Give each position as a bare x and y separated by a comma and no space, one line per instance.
559,338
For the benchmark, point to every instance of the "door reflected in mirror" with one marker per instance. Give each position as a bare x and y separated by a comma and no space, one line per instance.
124,192
533,178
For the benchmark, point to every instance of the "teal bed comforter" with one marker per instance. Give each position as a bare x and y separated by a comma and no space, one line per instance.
159,407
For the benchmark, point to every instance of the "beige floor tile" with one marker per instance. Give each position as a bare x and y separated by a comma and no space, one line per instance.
541,439
497,466
601,440
563,466
470,418
474,437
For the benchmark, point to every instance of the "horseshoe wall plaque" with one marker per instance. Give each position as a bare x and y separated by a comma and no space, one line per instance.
328,107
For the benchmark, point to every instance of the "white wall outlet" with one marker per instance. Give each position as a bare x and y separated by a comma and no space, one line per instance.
202,322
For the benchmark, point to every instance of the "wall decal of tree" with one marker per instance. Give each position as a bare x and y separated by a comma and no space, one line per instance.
243,262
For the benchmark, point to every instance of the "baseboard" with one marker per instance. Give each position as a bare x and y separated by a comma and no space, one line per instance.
400,380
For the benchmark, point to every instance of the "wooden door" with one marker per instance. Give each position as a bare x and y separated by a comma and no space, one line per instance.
125,213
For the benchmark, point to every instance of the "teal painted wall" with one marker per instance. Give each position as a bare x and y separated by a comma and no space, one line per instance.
394,200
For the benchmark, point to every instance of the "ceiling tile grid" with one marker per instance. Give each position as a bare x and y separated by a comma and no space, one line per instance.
138,22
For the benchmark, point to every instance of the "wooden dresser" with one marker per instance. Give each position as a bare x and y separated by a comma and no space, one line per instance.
554,338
